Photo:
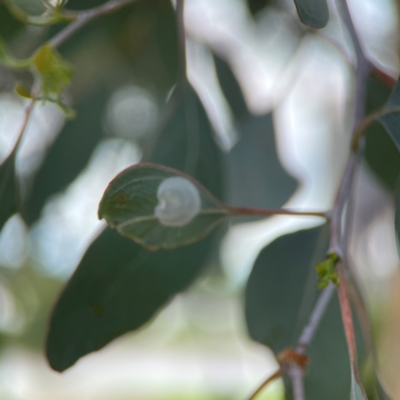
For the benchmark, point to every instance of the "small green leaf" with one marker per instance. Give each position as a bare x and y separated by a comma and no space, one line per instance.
391,121
9,61
326,271
160,207
55,71
22,91
8,189
313,13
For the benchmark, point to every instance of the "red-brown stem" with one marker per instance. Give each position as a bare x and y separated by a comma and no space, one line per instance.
267,212
347,317
265,383
348,325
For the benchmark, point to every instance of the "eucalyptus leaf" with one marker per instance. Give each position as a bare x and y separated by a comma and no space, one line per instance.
313,13
8,189
160,207
253,165
391,120
276,286
357,392
117,287
381,153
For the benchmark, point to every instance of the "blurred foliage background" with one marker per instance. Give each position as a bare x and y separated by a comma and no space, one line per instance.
273,98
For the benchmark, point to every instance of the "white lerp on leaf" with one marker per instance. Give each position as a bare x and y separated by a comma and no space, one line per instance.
179,201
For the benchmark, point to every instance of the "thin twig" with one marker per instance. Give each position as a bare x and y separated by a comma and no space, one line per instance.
267,381
84,17
363,65
180,20
340,233
318,312
296,376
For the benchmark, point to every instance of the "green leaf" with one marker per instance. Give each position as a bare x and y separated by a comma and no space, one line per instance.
253,164
8,189
117,287
313,13
391,121
160,207
275,289
380,153
9,61
55,72
357,392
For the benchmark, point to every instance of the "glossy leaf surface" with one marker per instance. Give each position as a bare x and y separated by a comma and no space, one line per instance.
159,207
313,13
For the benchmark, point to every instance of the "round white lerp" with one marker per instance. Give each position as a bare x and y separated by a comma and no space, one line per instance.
178,201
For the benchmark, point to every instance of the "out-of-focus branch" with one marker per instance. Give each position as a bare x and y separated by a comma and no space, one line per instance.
81,18
296,376
180,19
343,195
